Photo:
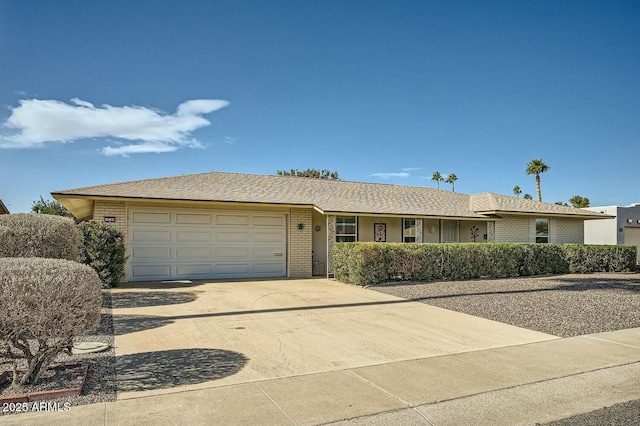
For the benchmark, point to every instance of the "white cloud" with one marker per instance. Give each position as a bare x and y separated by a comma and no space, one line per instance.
410,169
43,121
388,175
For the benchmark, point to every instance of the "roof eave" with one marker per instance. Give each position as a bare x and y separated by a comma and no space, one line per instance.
553,214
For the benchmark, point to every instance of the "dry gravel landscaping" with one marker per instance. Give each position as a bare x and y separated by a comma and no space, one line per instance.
561,305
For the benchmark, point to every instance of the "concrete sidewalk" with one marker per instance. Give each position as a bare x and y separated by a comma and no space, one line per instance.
522,384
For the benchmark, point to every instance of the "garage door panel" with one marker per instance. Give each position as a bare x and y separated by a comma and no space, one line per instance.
275,236
232,219
193,218
151,271
150,235
268,269
264,220
268,253
186,253
239,236
232,253
204,270
182,244
203,236
229,269
156,254
151,217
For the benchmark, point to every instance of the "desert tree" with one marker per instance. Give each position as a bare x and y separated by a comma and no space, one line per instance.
537,167
579,202
527,197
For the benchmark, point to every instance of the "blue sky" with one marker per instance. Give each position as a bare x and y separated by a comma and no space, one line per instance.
381,91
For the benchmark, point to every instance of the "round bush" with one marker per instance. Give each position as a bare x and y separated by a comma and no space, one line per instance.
39,235
44,304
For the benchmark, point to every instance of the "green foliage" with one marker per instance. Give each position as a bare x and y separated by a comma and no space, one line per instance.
312,173
44,303
103,249
375,263
579,202
584,259
452,178
527,197
38,235
517,191
51,207
437,177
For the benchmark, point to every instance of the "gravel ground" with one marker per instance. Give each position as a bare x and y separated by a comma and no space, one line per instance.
100,384
562,305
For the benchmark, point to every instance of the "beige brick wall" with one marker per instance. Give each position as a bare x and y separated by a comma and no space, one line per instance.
111,208
567,231
522,229
300,243
513,229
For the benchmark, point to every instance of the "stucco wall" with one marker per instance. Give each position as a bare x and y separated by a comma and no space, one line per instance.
366,231
465,231
602,231
429,225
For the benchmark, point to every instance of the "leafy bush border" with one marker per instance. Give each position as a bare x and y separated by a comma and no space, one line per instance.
375,263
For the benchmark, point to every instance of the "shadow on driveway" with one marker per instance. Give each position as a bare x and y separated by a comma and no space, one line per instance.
140,299
125,324
178,367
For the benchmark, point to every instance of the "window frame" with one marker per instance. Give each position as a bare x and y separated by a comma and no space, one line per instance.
405,237
347,237
539,238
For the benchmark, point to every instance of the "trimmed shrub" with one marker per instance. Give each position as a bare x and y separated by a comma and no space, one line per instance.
103,249
38,235
375,263
44,304
600,258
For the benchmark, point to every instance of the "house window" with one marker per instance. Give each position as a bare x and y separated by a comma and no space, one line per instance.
542,230
346,229
409,230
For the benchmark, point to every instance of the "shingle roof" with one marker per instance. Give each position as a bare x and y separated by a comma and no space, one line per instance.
326,195
3,208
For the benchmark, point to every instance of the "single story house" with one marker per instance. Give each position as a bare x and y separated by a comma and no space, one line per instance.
232,225
623,226
3,208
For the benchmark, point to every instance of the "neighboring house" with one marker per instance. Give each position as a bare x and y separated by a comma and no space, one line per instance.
3,208
622,228
228,225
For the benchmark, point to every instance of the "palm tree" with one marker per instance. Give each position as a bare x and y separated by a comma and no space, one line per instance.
438,178
452,178
535,167
517,191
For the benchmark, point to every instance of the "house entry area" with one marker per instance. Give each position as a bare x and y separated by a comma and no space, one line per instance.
171,244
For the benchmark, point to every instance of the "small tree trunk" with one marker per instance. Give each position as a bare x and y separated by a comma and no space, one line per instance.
36,366
538,188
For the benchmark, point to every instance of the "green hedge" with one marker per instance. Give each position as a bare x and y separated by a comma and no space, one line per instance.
375,263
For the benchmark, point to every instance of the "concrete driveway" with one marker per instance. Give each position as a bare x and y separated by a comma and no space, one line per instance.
181,336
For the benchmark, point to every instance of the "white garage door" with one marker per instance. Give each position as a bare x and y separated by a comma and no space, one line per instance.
193,244
632,237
